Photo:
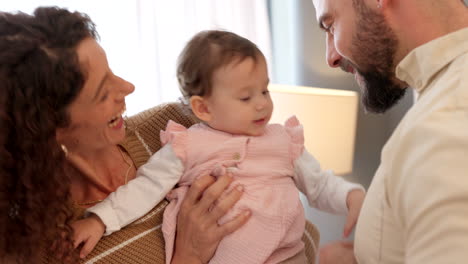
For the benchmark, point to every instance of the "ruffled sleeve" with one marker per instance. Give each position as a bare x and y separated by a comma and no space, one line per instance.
176,135
296,132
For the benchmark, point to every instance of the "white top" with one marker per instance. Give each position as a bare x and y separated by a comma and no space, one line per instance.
416,209
159,175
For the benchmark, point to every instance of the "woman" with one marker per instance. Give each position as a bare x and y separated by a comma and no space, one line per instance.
63,148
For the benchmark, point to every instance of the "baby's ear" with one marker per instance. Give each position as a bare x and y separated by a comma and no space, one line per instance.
199,107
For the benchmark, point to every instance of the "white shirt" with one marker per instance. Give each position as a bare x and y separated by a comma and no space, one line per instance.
416,209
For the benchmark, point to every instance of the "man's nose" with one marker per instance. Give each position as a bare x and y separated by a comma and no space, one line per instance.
333,57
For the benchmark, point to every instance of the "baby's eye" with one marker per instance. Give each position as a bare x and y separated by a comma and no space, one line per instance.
245,99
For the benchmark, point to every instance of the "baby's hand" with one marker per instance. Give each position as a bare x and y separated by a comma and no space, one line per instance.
354,202
87,231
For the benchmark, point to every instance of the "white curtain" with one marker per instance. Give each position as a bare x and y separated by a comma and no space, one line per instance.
143,38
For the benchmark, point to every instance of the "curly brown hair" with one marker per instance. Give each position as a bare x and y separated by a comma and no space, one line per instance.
206,52
39,77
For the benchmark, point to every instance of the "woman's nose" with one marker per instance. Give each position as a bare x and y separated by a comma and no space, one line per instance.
128,88
124,88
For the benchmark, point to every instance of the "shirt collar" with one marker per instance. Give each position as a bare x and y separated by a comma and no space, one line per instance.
422,63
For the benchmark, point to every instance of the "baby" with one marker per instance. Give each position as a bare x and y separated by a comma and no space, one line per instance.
224,79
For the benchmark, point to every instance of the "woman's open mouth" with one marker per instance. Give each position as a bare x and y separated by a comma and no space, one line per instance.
117,120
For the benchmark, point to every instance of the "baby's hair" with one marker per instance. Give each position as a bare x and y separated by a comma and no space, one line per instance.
206,52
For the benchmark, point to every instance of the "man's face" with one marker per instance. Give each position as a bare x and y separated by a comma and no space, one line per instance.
360,42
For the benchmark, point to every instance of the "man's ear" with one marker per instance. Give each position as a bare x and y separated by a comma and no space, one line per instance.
200,108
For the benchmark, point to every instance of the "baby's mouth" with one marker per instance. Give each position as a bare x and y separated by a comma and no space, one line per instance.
259,121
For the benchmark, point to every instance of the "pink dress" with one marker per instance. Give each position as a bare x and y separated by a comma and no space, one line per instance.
272,168
264,165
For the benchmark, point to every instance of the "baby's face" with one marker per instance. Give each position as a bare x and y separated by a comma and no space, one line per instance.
240,102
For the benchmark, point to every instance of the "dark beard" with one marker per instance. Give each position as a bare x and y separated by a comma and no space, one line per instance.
380,92
374,47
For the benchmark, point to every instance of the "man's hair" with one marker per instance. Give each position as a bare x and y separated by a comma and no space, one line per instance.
206,52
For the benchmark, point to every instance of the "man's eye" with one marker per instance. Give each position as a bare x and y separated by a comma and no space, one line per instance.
245,99
327,27
330,29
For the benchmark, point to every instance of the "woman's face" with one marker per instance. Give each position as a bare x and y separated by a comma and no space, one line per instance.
96,114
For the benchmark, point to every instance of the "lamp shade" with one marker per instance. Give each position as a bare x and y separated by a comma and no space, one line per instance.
329,120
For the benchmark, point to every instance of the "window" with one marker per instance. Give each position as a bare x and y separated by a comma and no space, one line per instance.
143,38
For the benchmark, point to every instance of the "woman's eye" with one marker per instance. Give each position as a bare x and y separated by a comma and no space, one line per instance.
104,97
245,99
265,92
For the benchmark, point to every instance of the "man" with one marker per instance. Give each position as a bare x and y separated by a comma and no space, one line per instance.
416,209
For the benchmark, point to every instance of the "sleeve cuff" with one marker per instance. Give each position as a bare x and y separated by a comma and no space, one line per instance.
104,211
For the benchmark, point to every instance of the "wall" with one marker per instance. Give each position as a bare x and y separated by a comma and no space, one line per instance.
299,59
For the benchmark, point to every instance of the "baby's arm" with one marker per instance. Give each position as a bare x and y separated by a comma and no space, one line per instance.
133,200
354,202
87,231
326,191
